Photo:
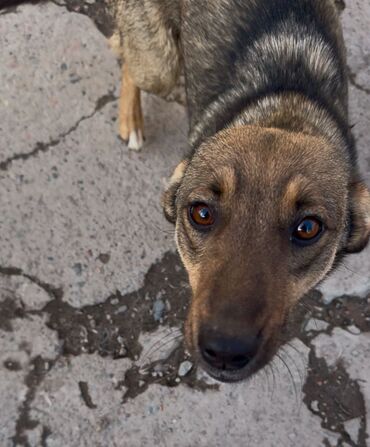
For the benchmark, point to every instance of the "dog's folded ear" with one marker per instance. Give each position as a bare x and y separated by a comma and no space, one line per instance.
169,195
359,218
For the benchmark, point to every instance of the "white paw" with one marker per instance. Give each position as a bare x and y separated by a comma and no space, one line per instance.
135,140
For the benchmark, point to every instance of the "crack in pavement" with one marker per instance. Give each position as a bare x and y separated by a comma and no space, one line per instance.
56,293
44,147
352,79
85,395
100,12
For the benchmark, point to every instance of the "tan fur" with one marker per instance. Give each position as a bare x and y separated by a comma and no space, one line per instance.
360,199
179,172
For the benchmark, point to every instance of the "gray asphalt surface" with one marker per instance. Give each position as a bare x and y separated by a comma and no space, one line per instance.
92,293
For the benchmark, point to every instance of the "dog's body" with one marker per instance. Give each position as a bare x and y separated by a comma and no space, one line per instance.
270,197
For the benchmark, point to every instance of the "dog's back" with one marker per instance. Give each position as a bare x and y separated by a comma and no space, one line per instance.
238,51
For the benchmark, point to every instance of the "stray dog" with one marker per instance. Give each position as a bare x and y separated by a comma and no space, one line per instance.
270,197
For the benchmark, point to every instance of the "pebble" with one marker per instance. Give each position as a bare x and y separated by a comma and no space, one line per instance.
120,310
158,310
353,329
315,406
185,368
316,325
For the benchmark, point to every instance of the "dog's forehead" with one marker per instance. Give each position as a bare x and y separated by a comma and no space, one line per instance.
251,156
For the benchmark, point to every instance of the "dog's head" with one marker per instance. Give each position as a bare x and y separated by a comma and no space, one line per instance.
261,215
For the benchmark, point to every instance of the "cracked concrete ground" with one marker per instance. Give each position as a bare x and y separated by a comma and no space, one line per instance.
92,294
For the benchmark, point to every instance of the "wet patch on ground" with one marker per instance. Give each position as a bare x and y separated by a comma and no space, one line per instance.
335,398
113,327
10,308
39,368
329,392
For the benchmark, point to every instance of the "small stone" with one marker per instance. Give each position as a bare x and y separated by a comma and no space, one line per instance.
185,368
315,406
316,325
353,329
121,310
158,310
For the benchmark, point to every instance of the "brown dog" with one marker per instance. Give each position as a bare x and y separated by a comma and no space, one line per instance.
269,199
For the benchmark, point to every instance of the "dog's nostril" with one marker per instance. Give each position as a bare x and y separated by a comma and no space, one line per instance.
239,358
228,353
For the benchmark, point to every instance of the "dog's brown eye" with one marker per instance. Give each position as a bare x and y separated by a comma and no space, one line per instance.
308,230
201,215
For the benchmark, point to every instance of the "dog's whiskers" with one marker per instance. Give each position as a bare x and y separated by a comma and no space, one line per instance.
160,344
290,375
170,232
271,366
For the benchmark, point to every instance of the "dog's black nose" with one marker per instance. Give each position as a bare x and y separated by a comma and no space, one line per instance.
227,353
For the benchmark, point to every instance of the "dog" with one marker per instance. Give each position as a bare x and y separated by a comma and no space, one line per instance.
269,199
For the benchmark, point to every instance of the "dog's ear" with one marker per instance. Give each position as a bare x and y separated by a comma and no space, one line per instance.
169,195
360,218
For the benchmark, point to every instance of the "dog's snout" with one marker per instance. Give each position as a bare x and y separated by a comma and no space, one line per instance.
228,353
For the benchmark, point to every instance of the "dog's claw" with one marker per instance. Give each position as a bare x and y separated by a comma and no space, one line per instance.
136,140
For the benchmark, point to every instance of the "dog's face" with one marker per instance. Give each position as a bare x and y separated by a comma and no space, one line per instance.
260,216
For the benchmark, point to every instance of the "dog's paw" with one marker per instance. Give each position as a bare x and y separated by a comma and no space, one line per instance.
135,140
132,136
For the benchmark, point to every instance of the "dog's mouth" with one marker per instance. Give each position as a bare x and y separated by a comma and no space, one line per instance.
224,374
227,376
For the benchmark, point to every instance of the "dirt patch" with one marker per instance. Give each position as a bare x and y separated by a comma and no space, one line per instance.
329,392
113,327
335,398
38,369
10,308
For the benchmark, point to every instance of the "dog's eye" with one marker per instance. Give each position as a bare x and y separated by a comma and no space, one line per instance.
308,231
201,215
